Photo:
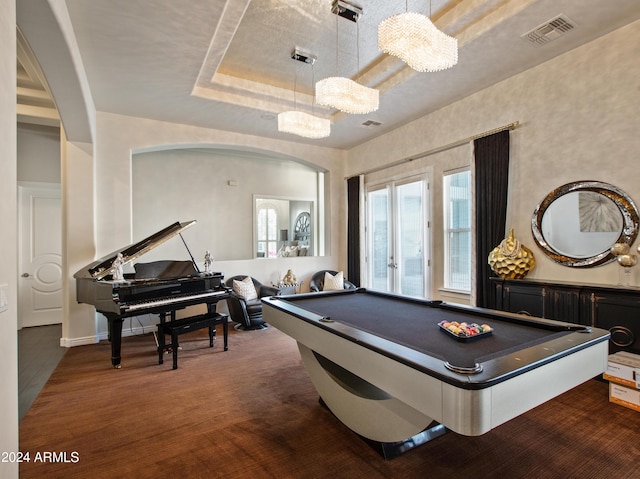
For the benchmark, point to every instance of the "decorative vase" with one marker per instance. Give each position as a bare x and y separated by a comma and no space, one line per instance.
511,259
627,261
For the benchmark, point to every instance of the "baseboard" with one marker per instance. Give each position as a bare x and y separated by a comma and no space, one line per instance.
103,336
71,342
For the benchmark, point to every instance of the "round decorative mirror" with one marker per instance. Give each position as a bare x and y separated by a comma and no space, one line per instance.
578,223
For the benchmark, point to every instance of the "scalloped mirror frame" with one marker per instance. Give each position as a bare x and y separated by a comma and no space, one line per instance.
628,234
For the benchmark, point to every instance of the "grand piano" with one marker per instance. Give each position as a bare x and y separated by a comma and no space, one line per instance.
159,287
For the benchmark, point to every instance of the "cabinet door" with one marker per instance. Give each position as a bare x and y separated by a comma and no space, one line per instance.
524,299
563,304
620,314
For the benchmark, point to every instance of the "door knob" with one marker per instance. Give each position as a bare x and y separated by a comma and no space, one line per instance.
25,275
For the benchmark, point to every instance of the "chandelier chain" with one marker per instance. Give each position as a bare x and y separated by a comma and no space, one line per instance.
357,49
295,86
313,82
337,43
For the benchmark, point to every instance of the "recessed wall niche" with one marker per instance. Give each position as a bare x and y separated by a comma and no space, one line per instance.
216,187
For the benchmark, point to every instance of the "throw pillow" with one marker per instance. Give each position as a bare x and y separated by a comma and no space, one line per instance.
333,283
245,289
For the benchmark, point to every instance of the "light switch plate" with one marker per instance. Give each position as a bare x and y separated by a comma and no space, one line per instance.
4,297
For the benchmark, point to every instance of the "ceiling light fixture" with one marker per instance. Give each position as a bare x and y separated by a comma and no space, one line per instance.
415,40
343,93
347,95
298,122
303,124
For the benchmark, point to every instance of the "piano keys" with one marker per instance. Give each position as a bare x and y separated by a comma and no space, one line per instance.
159,287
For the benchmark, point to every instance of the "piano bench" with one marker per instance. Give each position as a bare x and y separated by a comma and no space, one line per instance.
186,325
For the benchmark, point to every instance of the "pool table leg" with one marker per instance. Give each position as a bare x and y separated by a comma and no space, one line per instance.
389,450
367,410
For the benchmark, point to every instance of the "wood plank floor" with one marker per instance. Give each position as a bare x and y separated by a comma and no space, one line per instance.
39,353
251,412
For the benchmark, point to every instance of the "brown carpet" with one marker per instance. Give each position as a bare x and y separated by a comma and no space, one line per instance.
251,412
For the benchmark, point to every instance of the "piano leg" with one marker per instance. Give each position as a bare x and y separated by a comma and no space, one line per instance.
174,343
161,345
115,337
161,339
225,331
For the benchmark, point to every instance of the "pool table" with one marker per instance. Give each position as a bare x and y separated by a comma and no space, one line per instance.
383,366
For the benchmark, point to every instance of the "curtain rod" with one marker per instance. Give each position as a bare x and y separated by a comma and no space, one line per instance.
439,149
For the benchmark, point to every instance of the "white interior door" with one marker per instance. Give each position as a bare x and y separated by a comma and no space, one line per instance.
40,255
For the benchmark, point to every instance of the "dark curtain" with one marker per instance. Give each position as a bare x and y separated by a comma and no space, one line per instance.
353,230
491,184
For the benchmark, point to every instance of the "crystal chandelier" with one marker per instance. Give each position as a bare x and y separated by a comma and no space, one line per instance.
298,122
303,124
343,93
414,39
346,95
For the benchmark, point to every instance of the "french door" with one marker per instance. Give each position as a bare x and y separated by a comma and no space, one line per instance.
397,240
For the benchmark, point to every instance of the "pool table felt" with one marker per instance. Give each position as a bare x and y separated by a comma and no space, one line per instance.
415,325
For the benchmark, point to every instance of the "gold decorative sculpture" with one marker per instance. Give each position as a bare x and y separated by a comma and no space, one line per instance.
511,259
290,279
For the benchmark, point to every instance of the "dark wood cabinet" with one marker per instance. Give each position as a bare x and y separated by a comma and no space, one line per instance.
615,308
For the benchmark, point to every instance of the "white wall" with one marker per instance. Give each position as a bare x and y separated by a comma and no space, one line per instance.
578,121
193,184
38,153
78,213
8,242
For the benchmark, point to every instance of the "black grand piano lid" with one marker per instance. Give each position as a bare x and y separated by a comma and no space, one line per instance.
103,267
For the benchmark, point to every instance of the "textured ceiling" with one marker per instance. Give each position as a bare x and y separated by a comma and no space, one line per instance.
226,64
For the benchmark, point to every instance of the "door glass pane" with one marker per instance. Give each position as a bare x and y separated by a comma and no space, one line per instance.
266,230
379,239
272,233
410,240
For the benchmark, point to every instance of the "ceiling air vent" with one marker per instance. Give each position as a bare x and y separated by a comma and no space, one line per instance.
371,124
549,30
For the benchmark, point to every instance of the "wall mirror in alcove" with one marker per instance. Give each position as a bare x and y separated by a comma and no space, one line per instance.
285,227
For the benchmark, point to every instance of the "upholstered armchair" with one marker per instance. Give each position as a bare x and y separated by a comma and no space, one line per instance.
244,304
317,281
